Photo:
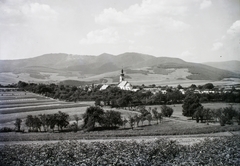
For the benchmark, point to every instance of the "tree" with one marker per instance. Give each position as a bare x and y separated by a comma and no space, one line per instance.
36,123
137,119
51,121
77,118
198,114
222,116
43,119
131,121
111,118
190,104
193,86
179,87
155,114
18,124
29,122
149,118
92,115
208,86
62,119
143,118
125,122
166,111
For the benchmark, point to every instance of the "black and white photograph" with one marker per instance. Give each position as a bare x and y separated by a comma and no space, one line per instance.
119,82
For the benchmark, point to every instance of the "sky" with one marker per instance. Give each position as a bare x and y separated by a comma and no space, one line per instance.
193,30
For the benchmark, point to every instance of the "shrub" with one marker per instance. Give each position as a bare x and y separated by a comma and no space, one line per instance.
190,104
166,111
6,129
223,151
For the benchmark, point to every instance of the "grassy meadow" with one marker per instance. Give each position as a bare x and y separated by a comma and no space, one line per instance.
20,104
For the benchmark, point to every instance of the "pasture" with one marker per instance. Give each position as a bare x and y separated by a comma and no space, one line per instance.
20,104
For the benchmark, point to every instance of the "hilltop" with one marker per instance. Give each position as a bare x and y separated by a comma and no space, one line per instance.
139,69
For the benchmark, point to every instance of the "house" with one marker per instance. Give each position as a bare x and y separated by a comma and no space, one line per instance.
104,87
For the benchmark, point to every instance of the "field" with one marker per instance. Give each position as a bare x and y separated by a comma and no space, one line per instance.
218,151
178,140
20,104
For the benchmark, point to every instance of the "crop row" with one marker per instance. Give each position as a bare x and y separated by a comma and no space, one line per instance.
18,102
14,136
20,97
47,102
223,151
40,108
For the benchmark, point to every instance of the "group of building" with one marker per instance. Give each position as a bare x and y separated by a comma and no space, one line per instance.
123,84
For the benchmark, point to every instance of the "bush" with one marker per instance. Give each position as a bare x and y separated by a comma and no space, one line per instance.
111,119
223,151
166,111
6,129
190,104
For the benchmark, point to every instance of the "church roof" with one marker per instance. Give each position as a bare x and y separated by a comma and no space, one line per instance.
104,87
122,83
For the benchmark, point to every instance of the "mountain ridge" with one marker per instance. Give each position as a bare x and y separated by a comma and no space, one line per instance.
62,66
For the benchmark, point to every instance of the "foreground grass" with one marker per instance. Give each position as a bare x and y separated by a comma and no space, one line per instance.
221,151
166,128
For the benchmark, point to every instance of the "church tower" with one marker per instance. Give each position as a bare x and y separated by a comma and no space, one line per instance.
121,76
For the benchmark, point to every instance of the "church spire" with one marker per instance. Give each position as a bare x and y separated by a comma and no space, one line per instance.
121,76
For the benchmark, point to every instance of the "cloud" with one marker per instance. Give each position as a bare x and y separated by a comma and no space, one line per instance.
150,13
205,4
234,30
12,12
217,46
104,36
41,11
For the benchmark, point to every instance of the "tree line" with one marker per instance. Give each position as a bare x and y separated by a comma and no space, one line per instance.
192,107
116,97
94,118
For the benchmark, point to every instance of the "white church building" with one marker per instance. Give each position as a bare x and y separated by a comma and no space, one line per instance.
124,85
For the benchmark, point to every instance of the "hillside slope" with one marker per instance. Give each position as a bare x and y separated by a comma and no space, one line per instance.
60,67
233,66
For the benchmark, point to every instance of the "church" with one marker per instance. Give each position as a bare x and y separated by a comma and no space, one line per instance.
124,85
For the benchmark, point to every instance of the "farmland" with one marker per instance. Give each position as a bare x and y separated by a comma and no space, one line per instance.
20,104
218,151
177,139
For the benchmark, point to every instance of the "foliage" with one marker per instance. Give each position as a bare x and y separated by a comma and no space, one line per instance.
6,129
92,116
166,111
220,151
131,121
17,124
190,104
45,121
61,119
111,118
149,118
116,97
157,115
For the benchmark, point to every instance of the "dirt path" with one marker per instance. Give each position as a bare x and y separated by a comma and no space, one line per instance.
181,139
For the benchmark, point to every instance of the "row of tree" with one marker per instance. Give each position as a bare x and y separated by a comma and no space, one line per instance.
93,117
96,115
116,97
193,108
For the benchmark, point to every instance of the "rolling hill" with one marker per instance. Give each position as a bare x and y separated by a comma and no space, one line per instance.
86,68
233,66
